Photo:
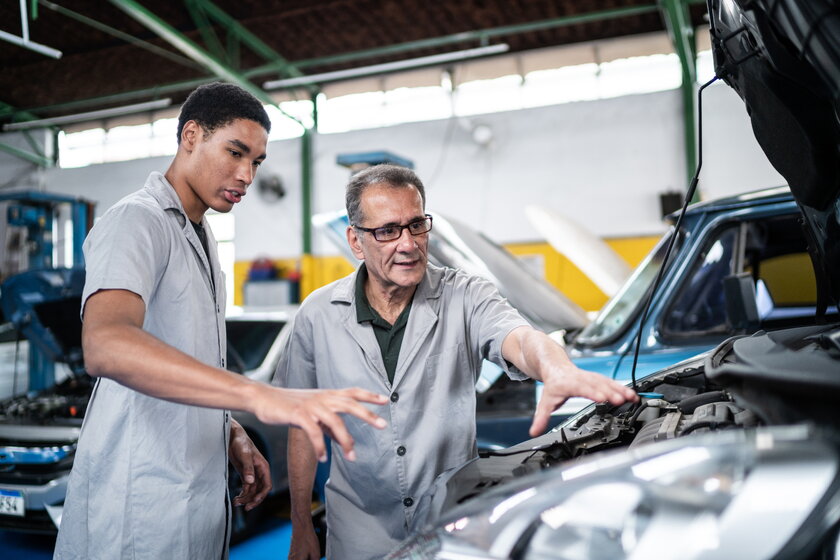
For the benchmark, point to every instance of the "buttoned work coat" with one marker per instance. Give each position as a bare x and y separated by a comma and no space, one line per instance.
456,321
149,478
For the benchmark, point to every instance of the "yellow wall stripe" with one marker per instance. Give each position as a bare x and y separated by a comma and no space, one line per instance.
557,269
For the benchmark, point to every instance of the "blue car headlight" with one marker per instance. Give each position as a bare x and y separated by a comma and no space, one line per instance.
724,495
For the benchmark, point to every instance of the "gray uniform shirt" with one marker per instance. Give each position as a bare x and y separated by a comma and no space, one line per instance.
149,479
456,321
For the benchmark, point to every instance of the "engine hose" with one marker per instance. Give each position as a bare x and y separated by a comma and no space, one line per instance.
710,425
690,404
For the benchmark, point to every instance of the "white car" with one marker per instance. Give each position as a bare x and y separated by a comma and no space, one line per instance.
38,433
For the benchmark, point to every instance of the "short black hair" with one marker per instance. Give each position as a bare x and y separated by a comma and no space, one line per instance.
395,176
218,104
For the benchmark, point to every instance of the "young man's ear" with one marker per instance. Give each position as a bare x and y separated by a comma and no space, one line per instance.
190,134
355,243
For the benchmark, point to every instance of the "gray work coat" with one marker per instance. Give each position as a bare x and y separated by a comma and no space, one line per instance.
149,479
456,320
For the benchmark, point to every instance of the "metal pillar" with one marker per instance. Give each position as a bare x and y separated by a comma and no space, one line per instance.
678,22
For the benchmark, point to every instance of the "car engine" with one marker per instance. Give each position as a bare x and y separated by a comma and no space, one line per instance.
682,403
64,404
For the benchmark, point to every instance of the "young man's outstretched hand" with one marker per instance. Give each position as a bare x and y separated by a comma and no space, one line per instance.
316,412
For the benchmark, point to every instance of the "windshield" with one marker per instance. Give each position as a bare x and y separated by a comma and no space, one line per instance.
623,306
249,343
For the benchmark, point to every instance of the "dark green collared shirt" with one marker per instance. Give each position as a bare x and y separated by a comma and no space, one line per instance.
388,336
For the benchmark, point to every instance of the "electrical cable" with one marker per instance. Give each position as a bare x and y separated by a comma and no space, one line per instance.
688,196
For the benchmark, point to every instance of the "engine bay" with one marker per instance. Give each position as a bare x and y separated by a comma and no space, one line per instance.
733,387
63,404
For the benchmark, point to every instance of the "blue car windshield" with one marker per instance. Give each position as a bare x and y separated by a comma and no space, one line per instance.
625,304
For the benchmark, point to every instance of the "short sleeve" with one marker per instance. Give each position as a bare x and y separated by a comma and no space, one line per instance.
491,318
126,250
296,367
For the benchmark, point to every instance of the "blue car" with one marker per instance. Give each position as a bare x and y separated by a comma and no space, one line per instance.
742,252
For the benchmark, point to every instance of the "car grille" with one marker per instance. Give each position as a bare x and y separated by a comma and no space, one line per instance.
35,521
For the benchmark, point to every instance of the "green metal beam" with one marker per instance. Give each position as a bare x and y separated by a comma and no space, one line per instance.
205,28
190,49
36,148
275,60
119,34
482,36
36,156
294,70
153,92
306,189
232,52
28,156
678,22
7,110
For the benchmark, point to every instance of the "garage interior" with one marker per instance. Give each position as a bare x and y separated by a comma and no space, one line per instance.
586,108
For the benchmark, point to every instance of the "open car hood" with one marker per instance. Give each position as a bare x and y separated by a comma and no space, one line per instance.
44,306
782,57
457,245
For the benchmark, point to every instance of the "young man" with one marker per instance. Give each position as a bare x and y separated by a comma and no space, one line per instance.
149,478
419,333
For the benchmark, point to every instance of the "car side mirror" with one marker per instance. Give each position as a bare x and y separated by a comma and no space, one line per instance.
741,308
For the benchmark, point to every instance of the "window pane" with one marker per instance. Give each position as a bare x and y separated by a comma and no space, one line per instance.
701,306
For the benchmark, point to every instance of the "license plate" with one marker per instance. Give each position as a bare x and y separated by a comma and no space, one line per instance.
11,503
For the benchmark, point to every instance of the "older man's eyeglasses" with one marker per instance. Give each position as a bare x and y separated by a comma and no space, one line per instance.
389,233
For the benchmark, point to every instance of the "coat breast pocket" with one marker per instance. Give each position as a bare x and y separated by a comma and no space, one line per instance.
450,382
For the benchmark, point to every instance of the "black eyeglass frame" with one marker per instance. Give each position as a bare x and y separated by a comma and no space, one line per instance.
400,227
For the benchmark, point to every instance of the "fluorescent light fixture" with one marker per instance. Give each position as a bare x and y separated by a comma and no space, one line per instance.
387,67
90,115
24,41
31,45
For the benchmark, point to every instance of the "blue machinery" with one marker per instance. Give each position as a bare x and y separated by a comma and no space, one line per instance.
36,211
43,301
359,160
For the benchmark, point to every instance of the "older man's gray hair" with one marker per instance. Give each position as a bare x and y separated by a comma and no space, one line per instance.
394,176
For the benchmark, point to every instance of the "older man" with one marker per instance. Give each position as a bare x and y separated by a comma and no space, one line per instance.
418,333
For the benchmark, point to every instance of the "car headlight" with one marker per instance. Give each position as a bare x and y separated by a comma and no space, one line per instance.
730,494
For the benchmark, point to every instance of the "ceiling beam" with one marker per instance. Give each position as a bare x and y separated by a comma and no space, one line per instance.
482,36
90,22
387,67
294,70
89,116
208,34
37,159
190,49
117,98
7,110
250,40
36,156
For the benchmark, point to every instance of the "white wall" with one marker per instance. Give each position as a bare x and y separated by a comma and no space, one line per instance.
732,159
601,162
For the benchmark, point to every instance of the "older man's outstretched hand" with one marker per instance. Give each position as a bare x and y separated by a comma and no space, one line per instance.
316,412
571,381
